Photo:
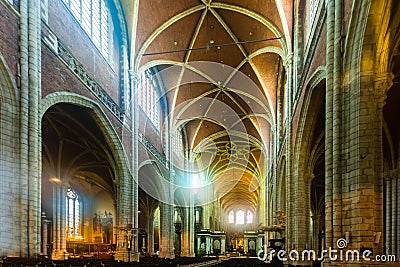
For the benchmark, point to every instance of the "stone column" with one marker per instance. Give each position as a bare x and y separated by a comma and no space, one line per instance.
150,235
185,233
389,213
337,122
166,231
328,124
395,214
364,196
290,188
131,214
382,84
135,164
59,221
192,231
127,197
223,244
30,131
45,234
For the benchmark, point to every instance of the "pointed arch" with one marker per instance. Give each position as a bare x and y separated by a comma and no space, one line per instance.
108,130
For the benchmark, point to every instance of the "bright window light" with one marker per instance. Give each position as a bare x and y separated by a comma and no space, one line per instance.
196,181
249,217
240,217
231,217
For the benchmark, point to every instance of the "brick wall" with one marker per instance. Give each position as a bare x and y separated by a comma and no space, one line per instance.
9,41
148,129
57,77
320,53
71,34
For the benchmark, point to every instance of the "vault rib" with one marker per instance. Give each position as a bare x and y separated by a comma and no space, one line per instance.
205,114
195,34
229,31
163,27
268,23
284,23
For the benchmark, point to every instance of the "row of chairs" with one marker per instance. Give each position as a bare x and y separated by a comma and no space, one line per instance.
202,264
242,262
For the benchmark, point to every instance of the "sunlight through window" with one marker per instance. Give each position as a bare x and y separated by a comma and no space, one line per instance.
240,217
249,217
94,17
231,217
72,214
148,98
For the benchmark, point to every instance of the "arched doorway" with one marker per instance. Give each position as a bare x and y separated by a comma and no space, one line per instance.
79,184
391,161
10,168
311,167
149,223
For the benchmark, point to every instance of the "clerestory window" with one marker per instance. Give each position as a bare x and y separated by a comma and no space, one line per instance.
148,98
249,217
177,144
313,10
231,217
240,217
94,17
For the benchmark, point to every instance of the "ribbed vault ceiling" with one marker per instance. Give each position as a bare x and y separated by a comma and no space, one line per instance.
74,150
225,108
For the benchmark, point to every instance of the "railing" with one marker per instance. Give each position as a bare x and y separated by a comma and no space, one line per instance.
153,150
89,81
60,51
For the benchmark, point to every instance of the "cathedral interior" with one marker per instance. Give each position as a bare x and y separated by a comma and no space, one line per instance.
204,130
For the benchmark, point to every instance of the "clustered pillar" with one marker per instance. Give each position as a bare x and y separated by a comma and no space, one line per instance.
30,148
392,237
59,221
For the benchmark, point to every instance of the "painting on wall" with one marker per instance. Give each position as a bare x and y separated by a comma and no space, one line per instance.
103,227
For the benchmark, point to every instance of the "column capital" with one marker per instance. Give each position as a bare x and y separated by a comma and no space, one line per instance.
311,176
288,61
133,75
382,84
391,174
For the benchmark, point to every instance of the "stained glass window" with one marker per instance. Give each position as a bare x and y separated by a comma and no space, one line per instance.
72,214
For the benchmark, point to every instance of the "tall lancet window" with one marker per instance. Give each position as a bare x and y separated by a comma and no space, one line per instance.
73,214
177,144
249,217
94,18
313,10
149,98
231,217
240,217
